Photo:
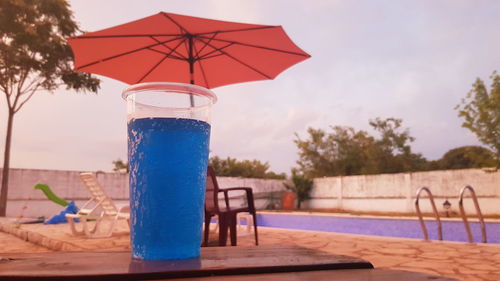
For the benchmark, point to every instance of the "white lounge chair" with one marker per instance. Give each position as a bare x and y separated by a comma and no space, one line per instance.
100,209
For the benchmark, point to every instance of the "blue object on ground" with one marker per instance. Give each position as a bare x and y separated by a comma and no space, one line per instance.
61,218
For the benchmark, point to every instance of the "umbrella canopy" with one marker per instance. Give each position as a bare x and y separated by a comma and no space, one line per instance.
177,48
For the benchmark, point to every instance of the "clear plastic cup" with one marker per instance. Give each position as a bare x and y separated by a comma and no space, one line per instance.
168,141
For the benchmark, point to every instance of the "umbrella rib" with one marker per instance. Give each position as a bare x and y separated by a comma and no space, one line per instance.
260,47
204,46
186,45
152,69
84,36
202,69
243,63
164,53
176,23
123,54
211,54
171,50
158,64
208,55
240,30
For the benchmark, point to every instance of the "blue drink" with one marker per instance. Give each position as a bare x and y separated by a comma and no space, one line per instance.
168,163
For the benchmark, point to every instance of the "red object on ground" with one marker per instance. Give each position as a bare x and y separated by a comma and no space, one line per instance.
288,201
177,48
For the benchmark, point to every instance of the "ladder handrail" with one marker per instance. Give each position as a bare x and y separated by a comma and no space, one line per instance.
436,214
478,210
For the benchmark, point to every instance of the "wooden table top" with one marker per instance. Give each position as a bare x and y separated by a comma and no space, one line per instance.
273,263
213,261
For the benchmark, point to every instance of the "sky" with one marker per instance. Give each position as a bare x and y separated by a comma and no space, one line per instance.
413,60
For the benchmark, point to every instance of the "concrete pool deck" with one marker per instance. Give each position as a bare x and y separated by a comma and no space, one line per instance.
463,261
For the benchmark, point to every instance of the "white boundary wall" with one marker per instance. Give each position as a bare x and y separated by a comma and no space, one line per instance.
367,193
68,186
397,192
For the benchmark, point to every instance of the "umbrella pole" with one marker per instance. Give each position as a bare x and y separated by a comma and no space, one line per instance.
191,68
191,98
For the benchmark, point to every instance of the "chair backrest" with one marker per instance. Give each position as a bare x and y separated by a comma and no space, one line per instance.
211,192
97,193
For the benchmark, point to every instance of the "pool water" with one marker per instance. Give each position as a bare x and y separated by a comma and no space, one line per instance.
392,227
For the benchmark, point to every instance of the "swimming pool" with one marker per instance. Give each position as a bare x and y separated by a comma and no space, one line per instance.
453,230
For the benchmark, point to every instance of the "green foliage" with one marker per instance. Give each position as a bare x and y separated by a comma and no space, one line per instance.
33,52
467,157
34,56
302,186
480,111
120,167
345,151
320,154
230,167
391,153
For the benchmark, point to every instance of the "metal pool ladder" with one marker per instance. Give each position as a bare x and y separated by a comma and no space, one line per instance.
436,214
478,210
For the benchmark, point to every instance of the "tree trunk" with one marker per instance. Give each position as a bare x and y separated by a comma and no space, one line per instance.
6,165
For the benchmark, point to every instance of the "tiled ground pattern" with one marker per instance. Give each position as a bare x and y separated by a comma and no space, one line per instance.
450,259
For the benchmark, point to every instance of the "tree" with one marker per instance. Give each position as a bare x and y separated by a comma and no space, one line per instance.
480,110
120,166
34,56
302,186
346,151
391,153
467,157
342,152
230,167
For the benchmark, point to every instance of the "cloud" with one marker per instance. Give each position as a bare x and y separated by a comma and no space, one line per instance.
266,138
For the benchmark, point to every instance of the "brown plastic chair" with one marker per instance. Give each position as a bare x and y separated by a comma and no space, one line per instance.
212,209
227,215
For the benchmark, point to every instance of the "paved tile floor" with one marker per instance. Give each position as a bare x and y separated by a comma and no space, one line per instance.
13,244
450,259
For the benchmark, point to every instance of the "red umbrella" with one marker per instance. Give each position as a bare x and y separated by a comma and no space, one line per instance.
177,48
